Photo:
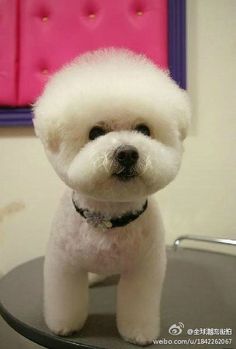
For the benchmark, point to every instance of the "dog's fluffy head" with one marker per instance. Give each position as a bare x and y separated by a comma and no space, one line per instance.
99,110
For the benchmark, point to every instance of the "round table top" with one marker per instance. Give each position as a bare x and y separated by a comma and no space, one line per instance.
199,292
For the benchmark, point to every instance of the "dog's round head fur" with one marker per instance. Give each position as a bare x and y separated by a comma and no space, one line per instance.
99,110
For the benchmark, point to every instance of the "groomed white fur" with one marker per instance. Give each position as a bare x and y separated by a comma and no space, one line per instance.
117,90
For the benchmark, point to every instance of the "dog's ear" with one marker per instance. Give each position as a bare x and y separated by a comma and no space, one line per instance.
184,115
47,130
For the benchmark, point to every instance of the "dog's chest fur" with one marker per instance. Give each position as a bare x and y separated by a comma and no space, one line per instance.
110,251
101,251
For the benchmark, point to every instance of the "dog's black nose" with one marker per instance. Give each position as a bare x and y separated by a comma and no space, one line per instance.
126,155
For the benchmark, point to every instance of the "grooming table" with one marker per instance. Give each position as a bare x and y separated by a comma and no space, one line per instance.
199,293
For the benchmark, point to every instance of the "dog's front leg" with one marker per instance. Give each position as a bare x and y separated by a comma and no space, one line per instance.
65,295
138,303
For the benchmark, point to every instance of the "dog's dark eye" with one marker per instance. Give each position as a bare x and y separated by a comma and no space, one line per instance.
96,132
143,129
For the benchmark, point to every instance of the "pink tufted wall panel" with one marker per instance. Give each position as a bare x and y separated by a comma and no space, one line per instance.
8,58
38,36
55,31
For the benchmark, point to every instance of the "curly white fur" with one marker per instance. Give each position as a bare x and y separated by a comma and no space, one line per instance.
116,90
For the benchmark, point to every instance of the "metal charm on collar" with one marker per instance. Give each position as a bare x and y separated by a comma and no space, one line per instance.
101,221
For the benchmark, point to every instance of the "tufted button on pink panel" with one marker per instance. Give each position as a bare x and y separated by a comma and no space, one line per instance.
8,56
53,32
45,18
92,15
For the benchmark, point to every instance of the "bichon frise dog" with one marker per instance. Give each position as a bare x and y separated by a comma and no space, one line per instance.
112,125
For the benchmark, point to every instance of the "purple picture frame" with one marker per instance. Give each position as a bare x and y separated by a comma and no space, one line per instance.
177,40
176,53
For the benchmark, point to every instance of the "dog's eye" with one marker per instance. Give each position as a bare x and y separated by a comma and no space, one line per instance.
143,129
96,132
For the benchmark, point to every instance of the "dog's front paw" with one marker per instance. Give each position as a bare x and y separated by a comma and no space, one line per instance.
139,339
64,328
63,331
140,335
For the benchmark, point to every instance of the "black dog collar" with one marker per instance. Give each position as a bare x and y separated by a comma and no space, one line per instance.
99,220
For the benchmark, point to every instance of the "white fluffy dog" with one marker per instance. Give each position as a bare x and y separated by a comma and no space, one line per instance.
112,125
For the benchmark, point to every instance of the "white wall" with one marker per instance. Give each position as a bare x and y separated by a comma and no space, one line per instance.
202,200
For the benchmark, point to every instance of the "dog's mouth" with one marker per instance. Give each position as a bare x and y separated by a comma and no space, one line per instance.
126,174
